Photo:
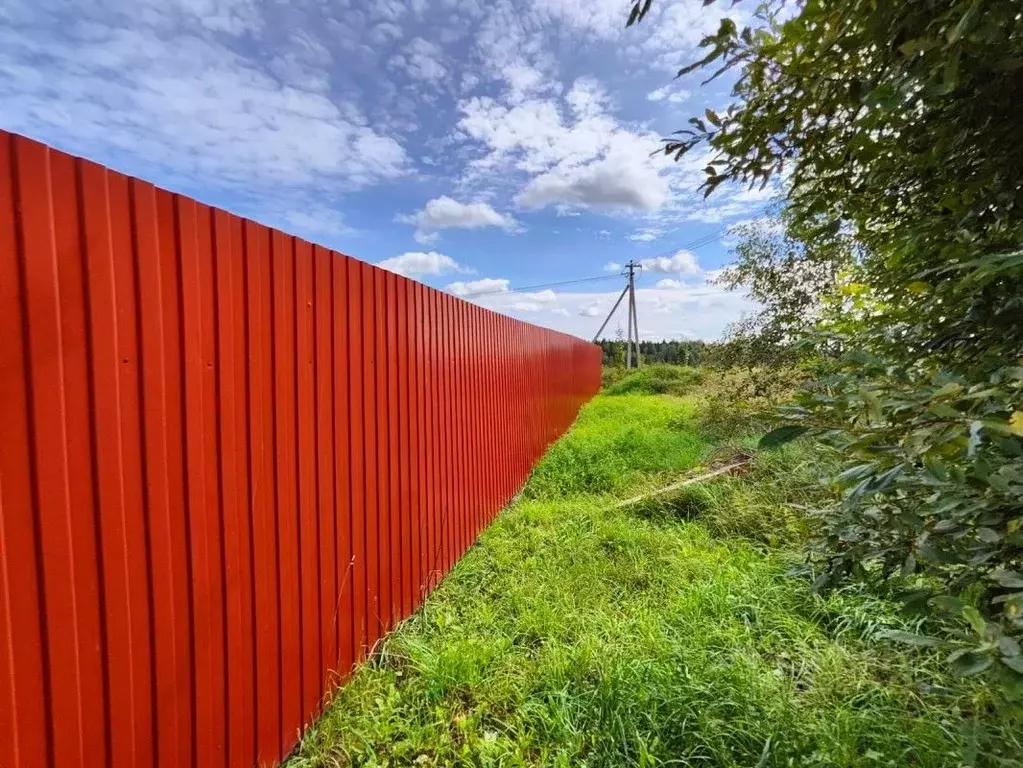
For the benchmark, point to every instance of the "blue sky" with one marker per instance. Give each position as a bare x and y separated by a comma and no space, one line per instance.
476,146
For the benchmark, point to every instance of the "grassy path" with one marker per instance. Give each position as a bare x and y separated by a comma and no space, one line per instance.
668,634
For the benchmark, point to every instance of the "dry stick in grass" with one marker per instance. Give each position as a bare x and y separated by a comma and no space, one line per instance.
683,483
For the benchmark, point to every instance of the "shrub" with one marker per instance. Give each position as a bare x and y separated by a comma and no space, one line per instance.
656,380
741,401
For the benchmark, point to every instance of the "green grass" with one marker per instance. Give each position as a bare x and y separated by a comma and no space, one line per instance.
652,380
667,633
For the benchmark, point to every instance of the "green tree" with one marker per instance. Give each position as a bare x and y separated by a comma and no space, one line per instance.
899,124
790,278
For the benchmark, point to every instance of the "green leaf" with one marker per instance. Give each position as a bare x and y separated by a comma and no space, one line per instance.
989,535
965,23
712,116
945,411
1007,579
780,436
1001,427
950,389
975,620
854,474
1008,646
948,603
908,638
1015,663
969,661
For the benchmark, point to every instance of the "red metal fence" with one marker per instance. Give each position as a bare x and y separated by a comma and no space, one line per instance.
230,461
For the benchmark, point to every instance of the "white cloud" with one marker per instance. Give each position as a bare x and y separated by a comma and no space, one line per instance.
315,220
291,112
421,59
486,285
535,302
613,183
730,204
612,266
683,262
601,18
446,213
524,80
188,104
574,152
665,93
690,310
415,263
543,297
673,33
587,98
669,284
646,235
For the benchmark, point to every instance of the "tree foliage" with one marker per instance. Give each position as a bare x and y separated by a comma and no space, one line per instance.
672,352
899,123
790,278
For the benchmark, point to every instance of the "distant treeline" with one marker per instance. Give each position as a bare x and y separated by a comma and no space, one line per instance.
672,352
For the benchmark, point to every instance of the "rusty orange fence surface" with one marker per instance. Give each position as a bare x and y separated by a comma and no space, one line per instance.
230,462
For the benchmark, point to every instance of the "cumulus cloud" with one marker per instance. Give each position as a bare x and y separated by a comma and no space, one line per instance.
543,297
613,183
683,262
669,284
446,213
666,93
188,104
690,310
484,286
646,235
307,115
612,266
534,302
574,153
416,263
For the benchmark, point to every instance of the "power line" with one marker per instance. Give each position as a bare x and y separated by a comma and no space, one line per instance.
698,243
541,287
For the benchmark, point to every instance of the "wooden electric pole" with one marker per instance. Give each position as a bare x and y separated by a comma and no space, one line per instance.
632,266
630,291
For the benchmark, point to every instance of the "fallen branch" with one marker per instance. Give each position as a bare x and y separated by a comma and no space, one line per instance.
682,483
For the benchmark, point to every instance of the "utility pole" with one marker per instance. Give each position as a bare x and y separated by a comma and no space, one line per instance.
633,324
632,266
632,296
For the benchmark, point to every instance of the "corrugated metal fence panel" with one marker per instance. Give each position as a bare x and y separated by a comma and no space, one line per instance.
230,462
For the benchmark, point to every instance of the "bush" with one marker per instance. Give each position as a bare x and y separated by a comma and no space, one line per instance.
655,380
741,401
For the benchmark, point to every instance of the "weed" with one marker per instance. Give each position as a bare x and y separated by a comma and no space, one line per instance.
656,380
576,632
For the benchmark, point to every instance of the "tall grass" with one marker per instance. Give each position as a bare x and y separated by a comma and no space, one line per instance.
652,380
576,632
